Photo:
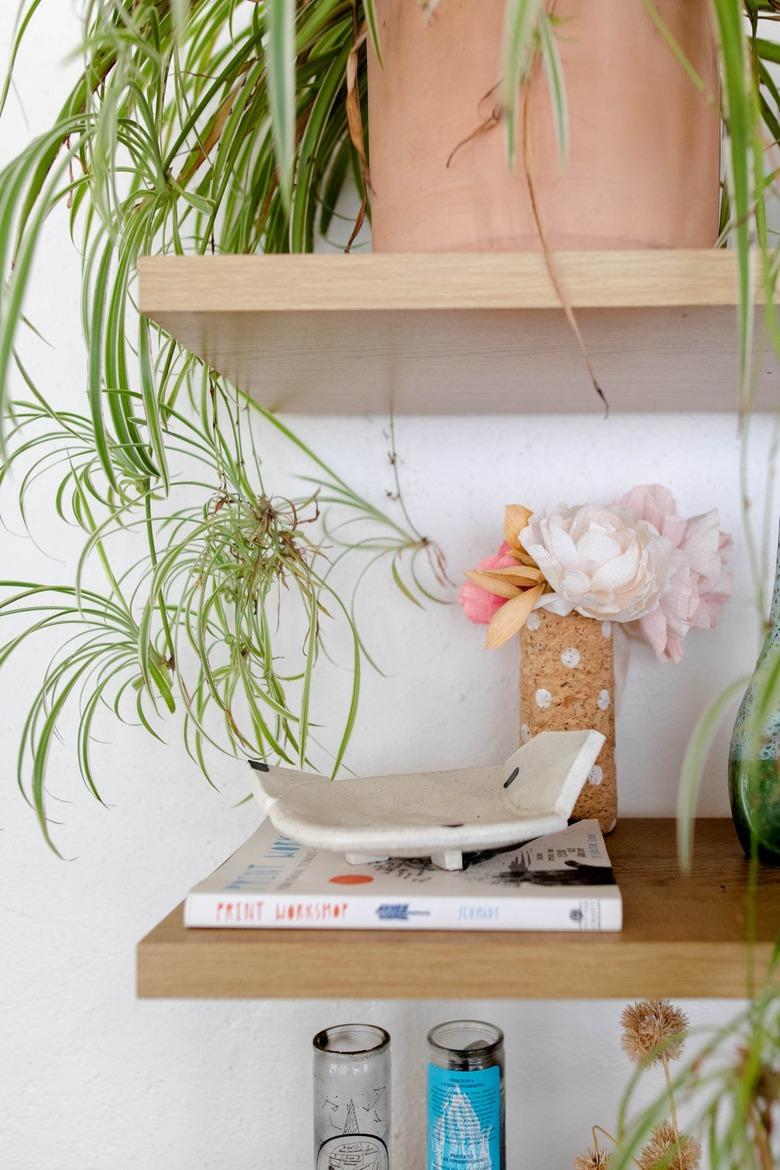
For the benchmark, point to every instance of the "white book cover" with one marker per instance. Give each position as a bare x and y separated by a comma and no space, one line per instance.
563,881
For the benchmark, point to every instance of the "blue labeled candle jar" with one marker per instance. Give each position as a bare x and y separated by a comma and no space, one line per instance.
466,1097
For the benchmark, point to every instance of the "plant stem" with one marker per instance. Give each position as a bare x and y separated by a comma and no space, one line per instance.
672,1106
598,1129
549,257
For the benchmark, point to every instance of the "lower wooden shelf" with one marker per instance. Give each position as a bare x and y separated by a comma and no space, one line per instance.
684,937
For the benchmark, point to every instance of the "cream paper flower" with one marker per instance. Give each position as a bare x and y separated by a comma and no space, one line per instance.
602,562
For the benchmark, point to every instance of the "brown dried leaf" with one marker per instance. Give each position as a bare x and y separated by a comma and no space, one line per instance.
354,116
204,149
360,219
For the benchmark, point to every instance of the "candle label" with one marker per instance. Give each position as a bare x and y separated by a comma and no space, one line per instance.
464,1119
351,1124
353,1153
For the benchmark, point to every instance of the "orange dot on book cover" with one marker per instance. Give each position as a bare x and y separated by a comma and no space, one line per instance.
351,879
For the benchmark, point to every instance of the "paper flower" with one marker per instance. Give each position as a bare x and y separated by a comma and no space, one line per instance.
637,562
699,581
479,604
669,1150
653,1030
504,592
602,562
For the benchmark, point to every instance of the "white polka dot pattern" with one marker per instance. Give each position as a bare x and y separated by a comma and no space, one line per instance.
567,683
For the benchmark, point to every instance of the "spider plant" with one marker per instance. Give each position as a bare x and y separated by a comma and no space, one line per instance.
233,126
166,143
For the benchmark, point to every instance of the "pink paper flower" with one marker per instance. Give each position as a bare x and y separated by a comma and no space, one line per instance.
699,582
479,606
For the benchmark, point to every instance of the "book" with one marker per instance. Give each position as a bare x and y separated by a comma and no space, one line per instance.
563,881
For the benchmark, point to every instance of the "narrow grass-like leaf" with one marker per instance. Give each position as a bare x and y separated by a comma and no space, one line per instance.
280,16
694,762
556,82
520,38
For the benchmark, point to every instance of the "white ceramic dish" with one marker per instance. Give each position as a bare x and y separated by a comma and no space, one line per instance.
439,815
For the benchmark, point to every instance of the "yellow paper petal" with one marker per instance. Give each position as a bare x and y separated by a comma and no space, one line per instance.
519,573
515,519
524,557
497,588
511,618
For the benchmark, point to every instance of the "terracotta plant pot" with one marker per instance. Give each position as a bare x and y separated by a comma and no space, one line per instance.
567,683
644,161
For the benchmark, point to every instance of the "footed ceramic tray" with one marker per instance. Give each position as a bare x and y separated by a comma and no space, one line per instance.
439,815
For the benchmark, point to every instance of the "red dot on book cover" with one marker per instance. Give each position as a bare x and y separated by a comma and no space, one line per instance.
351,879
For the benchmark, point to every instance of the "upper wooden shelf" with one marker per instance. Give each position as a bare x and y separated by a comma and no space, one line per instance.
460,333
683,937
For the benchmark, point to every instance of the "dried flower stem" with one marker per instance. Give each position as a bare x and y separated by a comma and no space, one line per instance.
549,257
598,1129
672,1106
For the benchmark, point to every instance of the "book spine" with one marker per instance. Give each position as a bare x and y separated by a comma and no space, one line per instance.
570,913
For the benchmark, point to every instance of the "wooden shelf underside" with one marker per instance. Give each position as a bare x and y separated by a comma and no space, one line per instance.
461,333
683,937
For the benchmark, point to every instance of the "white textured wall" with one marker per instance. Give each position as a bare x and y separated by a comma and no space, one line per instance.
91,1079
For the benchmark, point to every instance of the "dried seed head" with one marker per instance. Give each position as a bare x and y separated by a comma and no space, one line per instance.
665,1151
653,1029
592,1160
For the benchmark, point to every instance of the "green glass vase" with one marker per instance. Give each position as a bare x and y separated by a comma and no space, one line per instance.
754,756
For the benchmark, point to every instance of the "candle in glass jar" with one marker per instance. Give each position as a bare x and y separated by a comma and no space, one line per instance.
466,1097
352,1098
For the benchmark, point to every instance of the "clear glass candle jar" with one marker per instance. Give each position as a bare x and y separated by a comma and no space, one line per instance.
352,1098
466,1097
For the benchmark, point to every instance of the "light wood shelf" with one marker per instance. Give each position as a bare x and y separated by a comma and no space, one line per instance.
683,937
461,333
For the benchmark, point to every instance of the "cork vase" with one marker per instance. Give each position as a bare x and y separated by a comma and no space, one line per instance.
567,682
643,167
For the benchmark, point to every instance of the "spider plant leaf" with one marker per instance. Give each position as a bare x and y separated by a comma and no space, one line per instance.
304,195
694,762
23,19
737,91
151,408
520,37
334,185
556,82
372,20
401,585
354,699
95,379
311,655
767,50
280,18
41,751
674,46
